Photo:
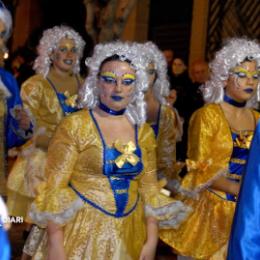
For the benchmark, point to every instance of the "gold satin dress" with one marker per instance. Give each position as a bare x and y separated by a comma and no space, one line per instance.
206,231
165,131
88,211
42,102
166,142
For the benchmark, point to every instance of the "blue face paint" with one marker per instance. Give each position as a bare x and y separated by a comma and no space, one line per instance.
249,90
117,98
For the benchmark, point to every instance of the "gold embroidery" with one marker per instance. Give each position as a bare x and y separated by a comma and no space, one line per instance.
115,178
238,161
122,191
234,176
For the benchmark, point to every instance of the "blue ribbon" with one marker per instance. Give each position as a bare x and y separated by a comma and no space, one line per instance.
93,204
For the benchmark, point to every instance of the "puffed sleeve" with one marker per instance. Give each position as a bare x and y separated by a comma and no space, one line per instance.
31,94
166,147
55,200
207,150
169,212
42,103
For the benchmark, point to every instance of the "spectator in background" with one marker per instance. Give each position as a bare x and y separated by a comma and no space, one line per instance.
181,83
199,71
168,54
199,74
20,63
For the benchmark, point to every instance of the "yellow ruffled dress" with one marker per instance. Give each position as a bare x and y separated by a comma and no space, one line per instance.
41,100
166,142
165,131
206,231
92,228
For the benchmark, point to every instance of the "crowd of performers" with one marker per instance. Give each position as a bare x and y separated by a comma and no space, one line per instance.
96,176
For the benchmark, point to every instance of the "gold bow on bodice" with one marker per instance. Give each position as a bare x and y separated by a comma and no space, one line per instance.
127,154
244,139
70,100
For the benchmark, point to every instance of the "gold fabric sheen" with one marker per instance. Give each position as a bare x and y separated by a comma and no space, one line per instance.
39,97
166,143
41,100
210,145
88,232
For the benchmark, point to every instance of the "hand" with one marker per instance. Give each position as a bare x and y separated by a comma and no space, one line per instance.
148,251
55,242
23,119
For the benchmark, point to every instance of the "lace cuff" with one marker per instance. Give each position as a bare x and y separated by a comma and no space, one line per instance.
170,213
61,218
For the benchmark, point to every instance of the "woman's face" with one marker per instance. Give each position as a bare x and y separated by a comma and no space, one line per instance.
242,83
65,56
178,66
116,84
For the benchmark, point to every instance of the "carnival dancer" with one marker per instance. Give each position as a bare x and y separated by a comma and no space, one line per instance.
244,243
49,96
160,116
101,199
220,135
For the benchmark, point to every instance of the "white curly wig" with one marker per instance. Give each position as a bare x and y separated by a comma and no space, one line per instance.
89,96
161,85
234,52
50,42
6,17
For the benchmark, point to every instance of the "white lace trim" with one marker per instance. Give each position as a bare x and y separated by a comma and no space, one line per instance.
169,216
42,218
195,193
